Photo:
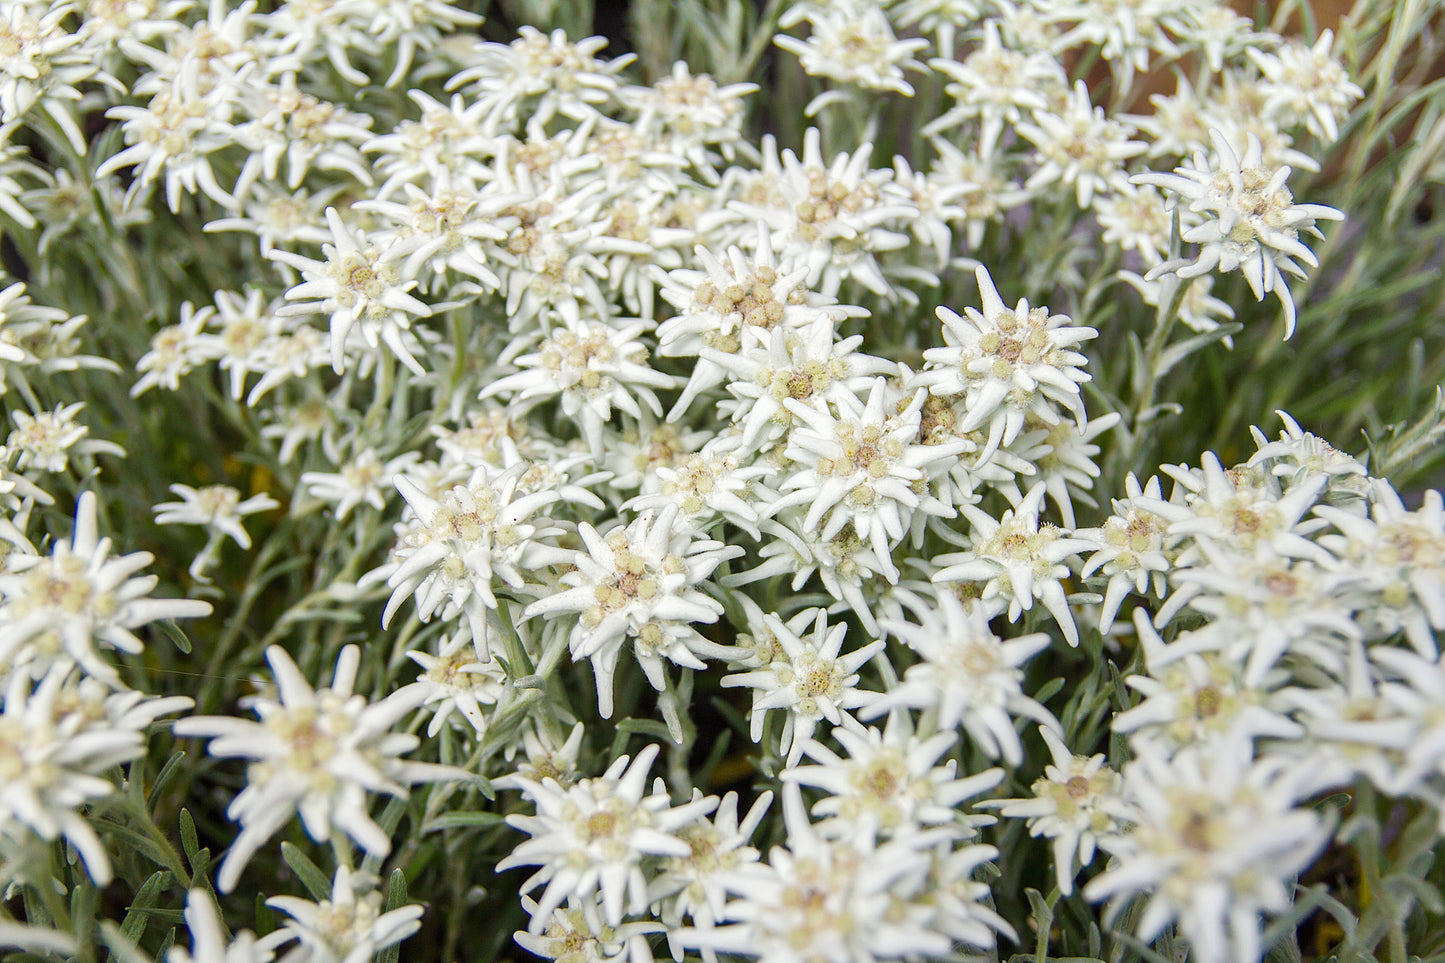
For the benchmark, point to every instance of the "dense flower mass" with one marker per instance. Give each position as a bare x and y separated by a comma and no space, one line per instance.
697,564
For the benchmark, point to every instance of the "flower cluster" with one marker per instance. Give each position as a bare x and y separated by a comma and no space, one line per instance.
580,432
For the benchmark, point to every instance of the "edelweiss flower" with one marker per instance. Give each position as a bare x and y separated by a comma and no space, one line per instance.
687,113
41,62
447,231
47,440
862,469
175,133
1214,845
1195,698
996,84
77,599
1135,217
968,675
842,562
1017,559
174,351
1076,802
17,314
455,549
457,681
1272,604
564,78
732,305
447,140
1080,146
593,836
639,582
693,885
545,759
275,216
809,366
1004,363
349,927
889,785
1308,83
1297,456
315,752
941,17
1400,557
1126,35
1359,726
853,44
359,285
362,479
219,508
1235,512
301,129
58,743
837,215
705,487
575,933
591,367
1129,549
805,677
1062,456
831,901
1251,222
216,506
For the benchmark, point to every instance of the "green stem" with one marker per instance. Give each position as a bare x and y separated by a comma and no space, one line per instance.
1164,322
762,36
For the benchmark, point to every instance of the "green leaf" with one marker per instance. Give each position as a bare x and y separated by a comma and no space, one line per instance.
141,843
462,821
172,631
1048,690
134,925
648,727
1145,951
310,875
1043,916
265,916
163,914
190,843
84,901
395,899
122,946
163,780
164,950
1138,367
396,891
1176,353
391,815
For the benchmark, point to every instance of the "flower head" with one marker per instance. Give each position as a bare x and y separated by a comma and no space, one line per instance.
77,600
1214,845
359,285
317,752
592,837
1005,363
1076,802
639,582
969,676
60,737
347,927
805,676
1251,222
